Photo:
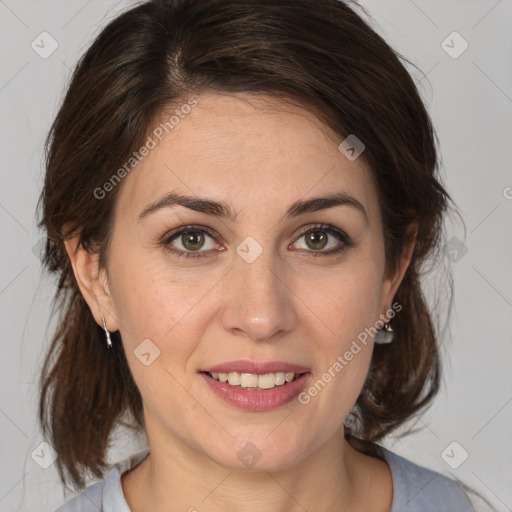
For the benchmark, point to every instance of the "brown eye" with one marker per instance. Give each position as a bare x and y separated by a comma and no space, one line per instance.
323,236
316,239
190,241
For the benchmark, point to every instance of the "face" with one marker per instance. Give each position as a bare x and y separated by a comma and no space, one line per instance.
192,291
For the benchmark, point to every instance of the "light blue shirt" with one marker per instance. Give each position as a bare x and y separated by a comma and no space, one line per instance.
415,489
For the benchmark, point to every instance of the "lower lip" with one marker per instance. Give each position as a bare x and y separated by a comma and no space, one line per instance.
257,401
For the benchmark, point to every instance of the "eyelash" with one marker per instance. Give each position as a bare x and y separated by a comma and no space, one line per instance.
346,243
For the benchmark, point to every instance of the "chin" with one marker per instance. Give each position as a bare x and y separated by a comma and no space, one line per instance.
259,455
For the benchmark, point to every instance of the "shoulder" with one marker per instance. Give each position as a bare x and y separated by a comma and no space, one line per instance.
418,489
106,495
89,500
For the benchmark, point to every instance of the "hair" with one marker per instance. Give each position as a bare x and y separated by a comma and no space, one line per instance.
319,54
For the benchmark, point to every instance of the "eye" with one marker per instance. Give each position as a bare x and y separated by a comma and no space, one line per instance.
189,240
323,236
192,241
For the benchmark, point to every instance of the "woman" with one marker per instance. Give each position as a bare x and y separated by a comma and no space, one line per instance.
239,199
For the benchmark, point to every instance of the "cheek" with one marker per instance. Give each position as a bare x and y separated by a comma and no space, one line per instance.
153,301
163,302
346,308
345,301
152,304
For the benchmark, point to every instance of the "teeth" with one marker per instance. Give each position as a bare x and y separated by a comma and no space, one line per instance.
267,381
280,378
252,380
234,378
248,380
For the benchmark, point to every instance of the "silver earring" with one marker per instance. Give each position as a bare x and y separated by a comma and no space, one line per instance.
107,334
384,335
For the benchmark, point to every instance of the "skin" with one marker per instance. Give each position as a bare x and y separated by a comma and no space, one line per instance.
258,154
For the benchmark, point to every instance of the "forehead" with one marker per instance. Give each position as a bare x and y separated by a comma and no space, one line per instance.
245,150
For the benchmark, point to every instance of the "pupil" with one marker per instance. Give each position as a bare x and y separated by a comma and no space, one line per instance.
192,241
317,236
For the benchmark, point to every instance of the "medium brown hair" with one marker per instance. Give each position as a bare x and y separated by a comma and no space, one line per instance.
319,54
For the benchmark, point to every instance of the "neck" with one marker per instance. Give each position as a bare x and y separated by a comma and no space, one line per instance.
179,478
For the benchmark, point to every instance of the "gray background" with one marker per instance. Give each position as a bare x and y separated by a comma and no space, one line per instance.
470,98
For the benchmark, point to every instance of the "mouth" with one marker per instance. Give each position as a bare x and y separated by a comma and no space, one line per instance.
253,381
256,387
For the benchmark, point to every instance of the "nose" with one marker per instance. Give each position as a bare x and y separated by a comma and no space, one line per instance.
258,300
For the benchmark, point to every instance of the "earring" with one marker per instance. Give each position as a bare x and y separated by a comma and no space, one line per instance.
107,334
384,335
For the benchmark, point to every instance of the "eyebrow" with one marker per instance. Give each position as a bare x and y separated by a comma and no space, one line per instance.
224,210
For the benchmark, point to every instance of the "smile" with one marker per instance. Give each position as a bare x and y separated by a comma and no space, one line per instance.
281,388
254,381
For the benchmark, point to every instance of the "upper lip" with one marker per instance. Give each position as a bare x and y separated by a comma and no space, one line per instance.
246,366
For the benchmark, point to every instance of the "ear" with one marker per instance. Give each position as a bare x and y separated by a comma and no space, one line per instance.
92,282
393,278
